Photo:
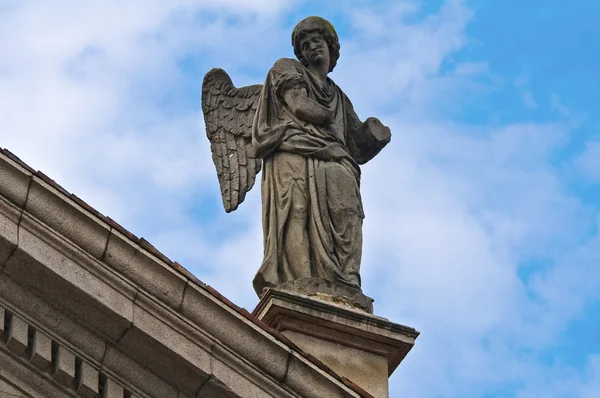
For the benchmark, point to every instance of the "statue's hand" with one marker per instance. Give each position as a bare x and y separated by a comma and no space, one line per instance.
379,131
370,138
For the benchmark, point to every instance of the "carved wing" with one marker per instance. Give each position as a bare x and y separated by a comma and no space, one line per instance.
228,115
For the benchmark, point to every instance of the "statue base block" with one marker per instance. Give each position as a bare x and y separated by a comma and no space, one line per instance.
362,347
324,290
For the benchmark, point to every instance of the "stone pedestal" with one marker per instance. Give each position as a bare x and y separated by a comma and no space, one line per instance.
362,347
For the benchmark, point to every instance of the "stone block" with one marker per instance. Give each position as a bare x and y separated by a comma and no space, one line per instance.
18,336
366,369
51,319
325,290
215,388
67,218
310,383
32,384
140,377
112,389
41,350
63,363
230,370
242,337
87,381
9,221
14,181
62,275
362,347
2,320
143,269
155,341
9,391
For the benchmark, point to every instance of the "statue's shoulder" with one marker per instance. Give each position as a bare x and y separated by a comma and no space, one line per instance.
287,64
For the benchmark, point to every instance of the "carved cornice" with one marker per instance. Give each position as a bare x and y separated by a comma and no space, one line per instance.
142,316
62,368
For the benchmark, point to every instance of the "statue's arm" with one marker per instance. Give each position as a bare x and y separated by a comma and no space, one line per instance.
365,139
305,108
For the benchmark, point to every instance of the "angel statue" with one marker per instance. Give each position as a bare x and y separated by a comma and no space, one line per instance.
301,127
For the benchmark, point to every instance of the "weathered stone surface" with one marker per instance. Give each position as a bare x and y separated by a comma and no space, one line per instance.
128,369
87,384
17,335
9,391
328,291
14,181
52,319
53,208
243,338
41,351
2,319
229,369
9,220
147,271
215,388
154,340
366,369
113,389
34,384
364,348
56,274
63,362
309,383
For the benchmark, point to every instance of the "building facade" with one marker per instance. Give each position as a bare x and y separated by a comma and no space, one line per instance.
87,309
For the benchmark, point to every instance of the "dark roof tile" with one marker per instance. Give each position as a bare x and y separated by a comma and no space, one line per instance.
178,267
154,251
83,204
121,229
18,160
52,183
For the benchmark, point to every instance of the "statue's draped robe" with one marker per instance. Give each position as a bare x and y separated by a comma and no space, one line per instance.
312,209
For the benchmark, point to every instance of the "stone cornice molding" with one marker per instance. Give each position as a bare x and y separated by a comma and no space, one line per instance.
134,305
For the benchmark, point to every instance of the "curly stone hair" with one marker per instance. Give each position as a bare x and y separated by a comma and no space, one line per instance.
322,26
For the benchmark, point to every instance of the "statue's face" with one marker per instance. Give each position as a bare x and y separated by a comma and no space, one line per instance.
315,50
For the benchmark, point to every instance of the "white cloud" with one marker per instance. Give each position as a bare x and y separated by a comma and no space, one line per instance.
455,218
522,83
528,100
556,104
456,214
82,89
588,162
392,58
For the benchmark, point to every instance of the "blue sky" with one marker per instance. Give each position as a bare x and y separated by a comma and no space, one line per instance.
482,213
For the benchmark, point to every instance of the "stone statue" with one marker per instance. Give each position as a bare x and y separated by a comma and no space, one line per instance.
303,129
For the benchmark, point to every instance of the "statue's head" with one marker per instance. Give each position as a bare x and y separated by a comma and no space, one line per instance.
321,26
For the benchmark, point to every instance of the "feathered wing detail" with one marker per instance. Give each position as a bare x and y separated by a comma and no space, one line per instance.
228,115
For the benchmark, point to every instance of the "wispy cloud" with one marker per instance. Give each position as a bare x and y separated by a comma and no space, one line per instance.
588,162
95,94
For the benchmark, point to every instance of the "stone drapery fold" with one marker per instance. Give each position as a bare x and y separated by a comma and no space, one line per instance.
312,208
